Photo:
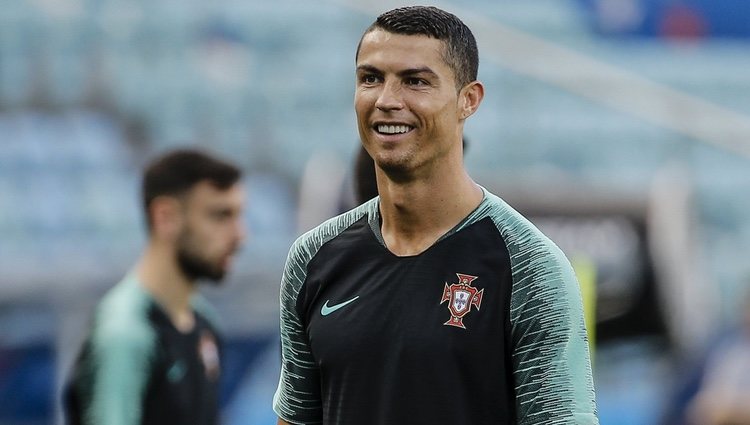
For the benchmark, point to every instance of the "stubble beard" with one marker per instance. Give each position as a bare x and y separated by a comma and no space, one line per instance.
194,266
398,166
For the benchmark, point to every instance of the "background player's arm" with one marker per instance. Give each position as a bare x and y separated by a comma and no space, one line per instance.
116,371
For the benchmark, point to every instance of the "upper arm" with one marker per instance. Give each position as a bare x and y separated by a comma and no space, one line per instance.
298,396
552,370
117,369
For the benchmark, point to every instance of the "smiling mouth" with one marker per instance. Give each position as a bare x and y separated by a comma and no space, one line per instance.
393,129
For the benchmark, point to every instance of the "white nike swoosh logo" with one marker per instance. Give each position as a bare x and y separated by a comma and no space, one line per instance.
326,309
176,372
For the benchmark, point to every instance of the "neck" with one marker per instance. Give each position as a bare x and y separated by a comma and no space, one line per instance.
161,276
416,213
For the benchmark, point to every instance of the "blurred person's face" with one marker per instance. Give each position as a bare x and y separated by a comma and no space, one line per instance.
409,112
212,231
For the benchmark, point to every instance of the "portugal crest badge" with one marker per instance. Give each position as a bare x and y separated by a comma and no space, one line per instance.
461,296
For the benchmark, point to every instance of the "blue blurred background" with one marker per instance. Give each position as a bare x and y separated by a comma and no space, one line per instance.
620,127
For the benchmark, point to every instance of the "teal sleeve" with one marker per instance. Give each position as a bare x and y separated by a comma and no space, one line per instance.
297,399
119,368
552,369
114,372
550,354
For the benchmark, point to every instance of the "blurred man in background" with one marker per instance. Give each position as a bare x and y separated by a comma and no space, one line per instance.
435,302
153,352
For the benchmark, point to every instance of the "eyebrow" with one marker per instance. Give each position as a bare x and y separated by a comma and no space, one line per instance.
403,73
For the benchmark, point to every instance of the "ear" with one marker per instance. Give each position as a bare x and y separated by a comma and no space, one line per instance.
166,216
469,98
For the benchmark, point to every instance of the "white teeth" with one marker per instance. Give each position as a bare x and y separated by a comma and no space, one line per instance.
393,129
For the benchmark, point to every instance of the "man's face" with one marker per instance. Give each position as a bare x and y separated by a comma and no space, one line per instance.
406,101
212,230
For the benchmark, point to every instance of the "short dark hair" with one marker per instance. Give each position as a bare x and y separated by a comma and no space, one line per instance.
175,172
460,51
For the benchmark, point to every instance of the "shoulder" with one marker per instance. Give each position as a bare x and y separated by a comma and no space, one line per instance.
538,265
309,243
121,319
522,237
307,246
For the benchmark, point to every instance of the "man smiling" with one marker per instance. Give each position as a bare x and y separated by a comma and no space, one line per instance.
436,302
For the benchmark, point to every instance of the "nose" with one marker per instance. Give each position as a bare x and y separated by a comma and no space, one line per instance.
389,98
240,232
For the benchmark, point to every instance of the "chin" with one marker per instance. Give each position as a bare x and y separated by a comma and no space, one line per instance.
217,274
392,164
389,161
213,281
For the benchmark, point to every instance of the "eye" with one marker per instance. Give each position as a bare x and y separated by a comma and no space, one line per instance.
369,79
417,82
221,215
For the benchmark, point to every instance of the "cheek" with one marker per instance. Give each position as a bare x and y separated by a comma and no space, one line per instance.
445,116
363,124
224,235
205,237
361,106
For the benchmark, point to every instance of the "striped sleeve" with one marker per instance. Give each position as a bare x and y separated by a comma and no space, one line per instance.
297,399
552,369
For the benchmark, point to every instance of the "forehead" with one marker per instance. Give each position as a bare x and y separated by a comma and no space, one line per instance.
205,193
381,48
